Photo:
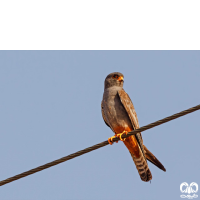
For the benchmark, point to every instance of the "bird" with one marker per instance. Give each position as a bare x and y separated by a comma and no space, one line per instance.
119,114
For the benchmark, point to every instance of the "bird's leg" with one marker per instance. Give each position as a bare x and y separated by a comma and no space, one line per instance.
119,135
110,140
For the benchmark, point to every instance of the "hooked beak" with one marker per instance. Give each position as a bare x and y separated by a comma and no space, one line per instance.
121,78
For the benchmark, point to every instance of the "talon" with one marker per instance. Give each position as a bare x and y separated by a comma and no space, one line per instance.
110,140
120,135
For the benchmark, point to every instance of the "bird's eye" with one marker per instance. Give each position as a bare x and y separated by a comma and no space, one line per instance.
115,76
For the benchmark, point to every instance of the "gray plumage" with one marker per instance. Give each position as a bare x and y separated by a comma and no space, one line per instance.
119,114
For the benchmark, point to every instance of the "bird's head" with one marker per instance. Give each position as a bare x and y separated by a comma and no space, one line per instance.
114,79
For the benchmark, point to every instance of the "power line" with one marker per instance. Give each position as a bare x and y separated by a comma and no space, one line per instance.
97,146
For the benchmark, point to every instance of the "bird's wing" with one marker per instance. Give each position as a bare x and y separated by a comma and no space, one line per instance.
150,157
128,105
140,162
103,115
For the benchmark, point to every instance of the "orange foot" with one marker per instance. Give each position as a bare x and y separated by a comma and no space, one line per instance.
119,135
110,140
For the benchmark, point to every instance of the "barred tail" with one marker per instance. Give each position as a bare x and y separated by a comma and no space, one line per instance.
142,167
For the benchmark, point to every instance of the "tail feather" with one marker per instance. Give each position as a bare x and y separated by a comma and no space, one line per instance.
150,157
142,167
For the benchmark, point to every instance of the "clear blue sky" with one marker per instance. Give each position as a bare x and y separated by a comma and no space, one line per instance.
50,107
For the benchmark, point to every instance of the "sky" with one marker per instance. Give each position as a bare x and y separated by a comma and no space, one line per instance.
50,107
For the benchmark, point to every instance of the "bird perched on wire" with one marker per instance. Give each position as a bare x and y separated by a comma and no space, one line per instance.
119,114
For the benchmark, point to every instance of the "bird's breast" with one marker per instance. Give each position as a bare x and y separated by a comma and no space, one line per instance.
115,113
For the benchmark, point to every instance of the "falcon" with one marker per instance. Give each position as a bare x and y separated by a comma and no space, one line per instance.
119,114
